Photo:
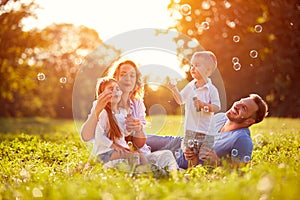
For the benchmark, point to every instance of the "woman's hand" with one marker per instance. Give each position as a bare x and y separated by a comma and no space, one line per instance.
133,124
139,137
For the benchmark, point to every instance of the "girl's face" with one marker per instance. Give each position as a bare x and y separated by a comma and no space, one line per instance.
116,91
127,78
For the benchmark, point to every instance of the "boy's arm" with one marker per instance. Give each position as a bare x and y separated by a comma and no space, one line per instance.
177,96
176,93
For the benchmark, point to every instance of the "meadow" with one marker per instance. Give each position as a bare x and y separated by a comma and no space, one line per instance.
45,159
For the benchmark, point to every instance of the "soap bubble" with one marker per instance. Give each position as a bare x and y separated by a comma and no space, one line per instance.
236,38
247,159
177,153
190,143
206,109
205,25
234,152
235,60
63,80
237,66
173,82
36,192
41,76
253,54
185,9
258,28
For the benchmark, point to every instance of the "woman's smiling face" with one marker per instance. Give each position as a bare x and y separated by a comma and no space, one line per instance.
127,78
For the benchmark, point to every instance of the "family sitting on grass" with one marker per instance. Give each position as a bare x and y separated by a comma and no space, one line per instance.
116,123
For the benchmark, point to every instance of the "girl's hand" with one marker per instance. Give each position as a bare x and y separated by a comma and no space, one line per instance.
102,101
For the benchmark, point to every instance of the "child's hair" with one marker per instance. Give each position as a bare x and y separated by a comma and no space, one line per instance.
210,56
114,130
114,70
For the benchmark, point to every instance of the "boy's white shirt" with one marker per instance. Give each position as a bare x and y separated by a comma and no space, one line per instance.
202,122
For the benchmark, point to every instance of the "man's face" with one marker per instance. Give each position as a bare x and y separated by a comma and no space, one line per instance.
242,110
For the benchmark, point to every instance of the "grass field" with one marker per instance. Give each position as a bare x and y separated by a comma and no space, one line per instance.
45,159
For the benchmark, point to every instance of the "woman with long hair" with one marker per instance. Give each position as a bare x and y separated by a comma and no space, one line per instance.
110,143
130,82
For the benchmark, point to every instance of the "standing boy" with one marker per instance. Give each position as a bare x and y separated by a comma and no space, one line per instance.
201,99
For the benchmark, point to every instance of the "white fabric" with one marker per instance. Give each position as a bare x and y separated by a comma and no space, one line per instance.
102,143
163,158
137,109
202,122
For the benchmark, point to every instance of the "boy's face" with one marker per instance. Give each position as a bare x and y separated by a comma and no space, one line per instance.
200,68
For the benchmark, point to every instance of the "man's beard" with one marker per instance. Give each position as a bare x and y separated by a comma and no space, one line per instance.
236,120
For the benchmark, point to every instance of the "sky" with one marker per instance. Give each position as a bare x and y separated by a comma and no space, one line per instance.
107,17
112,18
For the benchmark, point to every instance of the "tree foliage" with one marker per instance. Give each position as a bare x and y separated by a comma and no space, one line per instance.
17,72
38,67
232,29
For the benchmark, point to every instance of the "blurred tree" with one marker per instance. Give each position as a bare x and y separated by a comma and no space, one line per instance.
17,64
61,60
263,35
38,67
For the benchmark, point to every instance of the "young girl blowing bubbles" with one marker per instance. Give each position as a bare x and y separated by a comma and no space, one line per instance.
110,143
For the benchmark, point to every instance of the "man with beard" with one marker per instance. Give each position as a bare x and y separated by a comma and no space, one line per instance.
233,143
